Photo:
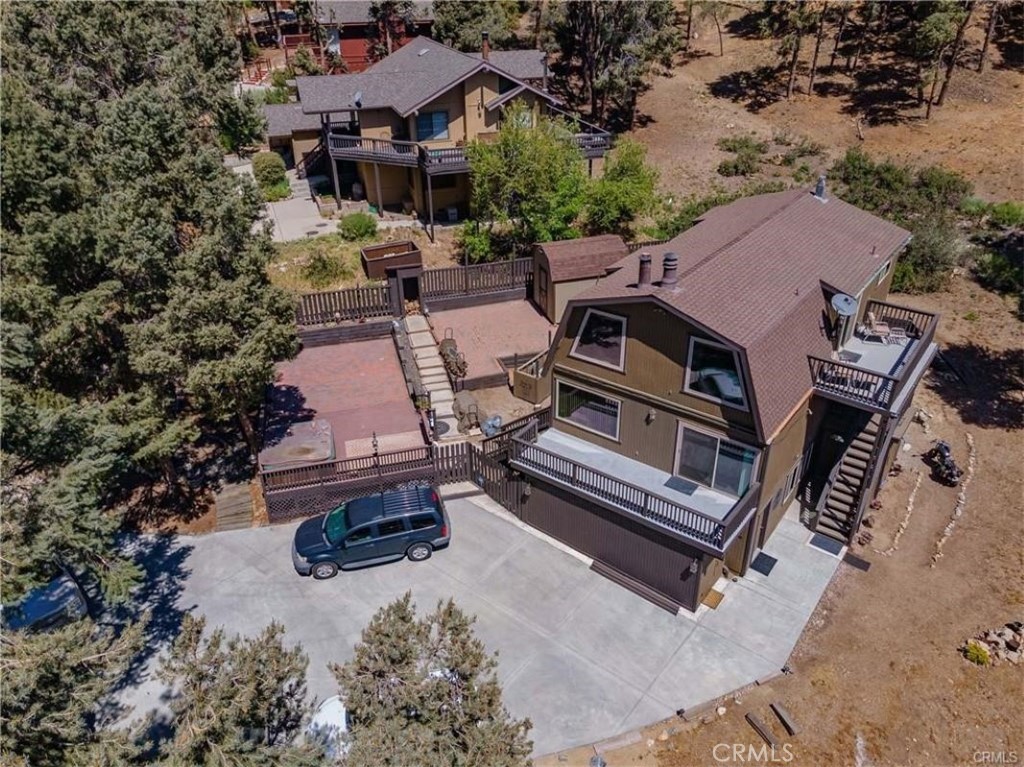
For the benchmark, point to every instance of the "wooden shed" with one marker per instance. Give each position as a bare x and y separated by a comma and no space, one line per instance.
561,270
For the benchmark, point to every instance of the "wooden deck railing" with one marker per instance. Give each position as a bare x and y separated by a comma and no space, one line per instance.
709,533
500,441
867,388
342,305
347,469
381,150
479,278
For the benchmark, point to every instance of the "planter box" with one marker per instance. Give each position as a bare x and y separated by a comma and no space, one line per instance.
378,259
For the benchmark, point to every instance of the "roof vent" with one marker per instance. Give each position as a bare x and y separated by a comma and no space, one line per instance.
819,189
358,99
423,51
644,277
670,271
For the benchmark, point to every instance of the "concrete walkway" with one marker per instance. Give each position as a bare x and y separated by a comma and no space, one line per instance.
433,376
584,658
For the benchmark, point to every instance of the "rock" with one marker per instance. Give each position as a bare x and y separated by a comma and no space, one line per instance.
707,720
663,736
650,743
869,520
720,710
865,538
1013,645
1014,657
1007,634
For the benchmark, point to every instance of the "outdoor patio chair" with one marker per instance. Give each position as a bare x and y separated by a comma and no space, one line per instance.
875,329
898,335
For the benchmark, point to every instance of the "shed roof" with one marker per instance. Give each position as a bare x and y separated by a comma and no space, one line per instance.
753,271
583,258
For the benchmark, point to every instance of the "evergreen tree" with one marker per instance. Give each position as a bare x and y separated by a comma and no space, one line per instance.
461,23
389,21
52,684
612,48
239,701
135,305
424,692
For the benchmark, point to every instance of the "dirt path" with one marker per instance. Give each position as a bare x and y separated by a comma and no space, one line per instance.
977,132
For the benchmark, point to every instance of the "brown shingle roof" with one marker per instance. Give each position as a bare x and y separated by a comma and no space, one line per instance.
583,258
752,273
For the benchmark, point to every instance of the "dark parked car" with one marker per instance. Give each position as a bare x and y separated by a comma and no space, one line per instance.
48,607
372,530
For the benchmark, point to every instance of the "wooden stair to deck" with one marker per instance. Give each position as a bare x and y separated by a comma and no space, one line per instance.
234,507
837,513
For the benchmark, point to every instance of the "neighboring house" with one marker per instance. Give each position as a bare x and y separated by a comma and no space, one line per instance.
704,384
291,131
346,24
397,133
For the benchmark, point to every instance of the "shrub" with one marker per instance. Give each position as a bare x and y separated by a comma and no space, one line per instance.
325,267
802,174
740,144
269,170
358,226
977,653
805,148
743,164
474,242
1008,215
277,192
930,257
624,191
974,208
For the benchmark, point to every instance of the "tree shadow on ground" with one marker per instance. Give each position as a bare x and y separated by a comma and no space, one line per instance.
883,94
749,26
162,559
983,385
756,89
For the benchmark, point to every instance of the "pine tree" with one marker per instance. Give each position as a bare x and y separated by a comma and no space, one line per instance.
238,701
424,691
461,23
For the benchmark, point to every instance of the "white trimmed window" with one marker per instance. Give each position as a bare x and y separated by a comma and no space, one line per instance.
714,461
713,372
587,409
601,340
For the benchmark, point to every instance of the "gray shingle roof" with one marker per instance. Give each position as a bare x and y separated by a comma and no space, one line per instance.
752,272
414,74
524,65
358,12
282,119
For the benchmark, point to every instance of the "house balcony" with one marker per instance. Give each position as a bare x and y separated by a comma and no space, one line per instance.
434,160
879,372
700,517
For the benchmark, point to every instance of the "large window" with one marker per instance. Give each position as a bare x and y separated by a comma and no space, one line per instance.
588,410
601,340
715,462
432,126
713,371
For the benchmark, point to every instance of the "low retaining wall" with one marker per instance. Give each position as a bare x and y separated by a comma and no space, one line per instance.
337,334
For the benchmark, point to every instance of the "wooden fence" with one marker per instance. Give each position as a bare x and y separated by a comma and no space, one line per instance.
635,246
455,281
341,305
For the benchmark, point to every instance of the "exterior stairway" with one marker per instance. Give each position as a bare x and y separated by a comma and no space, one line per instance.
433,376
837,507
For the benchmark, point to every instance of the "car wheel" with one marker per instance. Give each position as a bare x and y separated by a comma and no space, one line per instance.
419,552
324,570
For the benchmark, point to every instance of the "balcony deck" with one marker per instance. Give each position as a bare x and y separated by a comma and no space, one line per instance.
871,374
701,517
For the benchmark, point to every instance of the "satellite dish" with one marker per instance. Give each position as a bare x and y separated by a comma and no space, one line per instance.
845,306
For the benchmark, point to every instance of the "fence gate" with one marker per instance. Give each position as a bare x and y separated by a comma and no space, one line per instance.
496,479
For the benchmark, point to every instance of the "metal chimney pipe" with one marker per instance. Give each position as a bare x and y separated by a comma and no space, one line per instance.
644,278
670,271
819,189
485,48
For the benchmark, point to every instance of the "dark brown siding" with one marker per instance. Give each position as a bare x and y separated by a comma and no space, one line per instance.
657,560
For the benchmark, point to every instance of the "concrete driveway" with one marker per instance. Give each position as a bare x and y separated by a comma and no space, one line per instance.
582,657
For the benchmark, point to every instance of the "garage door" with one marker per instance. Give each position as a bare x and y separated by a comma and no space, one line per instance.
626,548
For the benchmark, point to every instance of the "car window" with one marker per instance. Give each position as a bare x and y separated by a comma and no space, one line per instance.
423,521
391,527
358,535
336,525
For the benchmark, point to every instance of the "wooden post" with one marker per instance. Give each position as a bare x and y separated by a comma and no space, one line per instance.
430,204
326,127
380,196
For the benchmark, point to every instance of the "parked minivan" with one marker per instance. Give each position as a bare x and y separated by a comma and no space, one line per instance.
367,531
48,607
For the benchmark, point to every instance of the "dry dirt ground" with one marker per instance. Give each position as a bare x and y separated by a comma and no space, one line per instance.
879,661
977,131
